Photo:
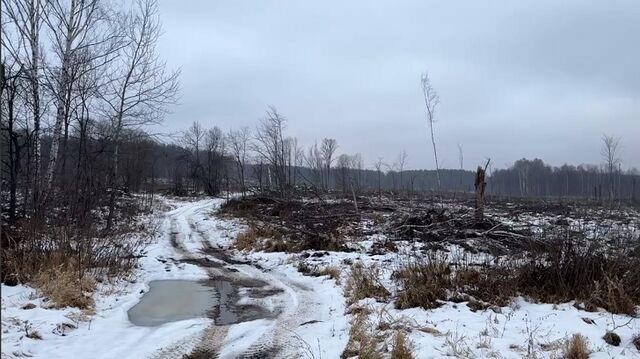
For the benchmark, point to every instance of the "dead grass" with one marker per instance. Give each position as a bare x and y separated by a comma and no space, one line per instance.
401,346
556,273
261,237
364,282
247,240
363,342
576,348
32,333
65,288
423,282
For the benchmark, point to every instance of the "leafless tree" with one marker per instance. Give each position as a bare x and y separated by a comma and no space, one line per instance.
140,87
77,28
270,145
402,160
431,101
460,156
25,19
239,144
328,149
193,140
378,165
610,155
215,146
313,160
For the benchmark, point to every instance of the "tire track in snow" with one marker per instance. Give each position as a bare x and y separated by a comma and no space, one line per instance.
291,303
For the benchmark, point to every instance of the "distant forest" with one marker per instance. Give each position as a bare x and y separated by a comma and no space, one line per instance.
148,164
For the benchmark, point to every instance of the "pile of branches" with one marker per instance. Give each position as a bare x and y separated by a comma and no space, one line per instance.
458,226
300,224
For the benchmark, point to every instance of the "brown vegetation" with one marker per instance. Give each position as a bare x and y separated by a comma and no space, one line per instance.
576,347
401,346
556,272
62,286
362,340
364,282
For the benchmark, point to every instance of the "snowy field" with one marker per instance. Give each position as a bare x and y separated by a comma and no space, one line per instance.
310,317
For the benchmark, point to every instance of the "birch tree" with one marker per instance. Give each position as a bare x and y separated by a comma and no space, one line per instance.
431,101
239,142
140,87
74,26
328,149
25,19
610,155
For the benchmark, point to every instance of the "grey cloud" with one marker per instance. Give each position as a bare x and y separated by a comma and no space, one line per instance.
516,78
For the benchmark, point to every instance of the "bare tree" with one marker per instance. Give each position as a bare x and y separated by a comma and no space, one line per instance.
270,146
239,143
402,160
215,146
193,140
431,101
313,160
460,156
609,153
77,27
328,149
140,87
26,18
378,165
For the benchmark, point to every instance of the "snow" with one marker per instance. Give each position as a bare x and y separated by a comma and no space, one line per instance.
311,320
109,334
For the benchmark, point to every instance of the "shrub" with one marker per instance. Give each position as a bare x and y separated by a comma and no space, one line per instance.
364,282
362,341
576,347
64,287
247,240
423,282
401,346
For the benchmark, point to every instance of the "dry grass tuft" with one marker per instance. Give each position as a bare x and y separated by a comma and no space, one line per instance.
261,237
576,348
248,239
362,340
364,282
401,347
423,283
65,288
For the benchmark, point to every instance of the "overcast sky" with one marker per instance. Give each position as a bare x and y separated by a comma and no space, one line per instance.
516,78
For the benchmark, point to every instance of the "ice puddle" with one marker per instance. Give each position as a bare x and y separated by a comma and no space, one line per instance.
173,300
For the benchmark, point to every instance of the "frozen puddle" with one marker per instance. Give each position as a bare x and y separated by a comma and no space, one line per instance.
171,301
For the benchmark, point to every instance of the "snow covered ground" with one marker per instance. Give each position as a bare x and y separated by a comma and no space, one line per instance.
310,321
309,313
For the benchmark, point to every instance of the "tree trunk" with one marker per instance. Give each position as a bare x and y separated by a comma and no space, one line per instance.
480,185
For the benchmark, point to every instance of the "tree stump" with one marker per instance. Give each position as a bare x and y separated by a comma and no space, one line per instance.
480,185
